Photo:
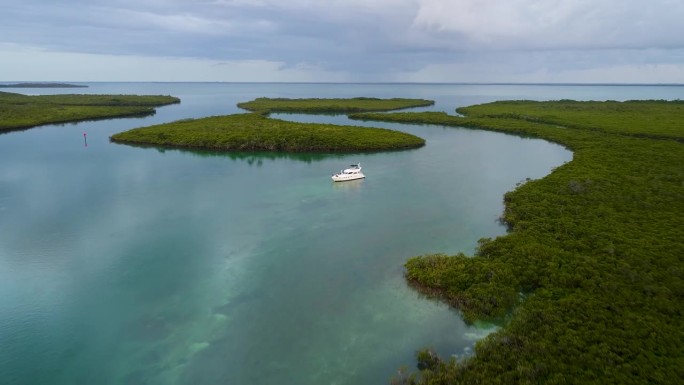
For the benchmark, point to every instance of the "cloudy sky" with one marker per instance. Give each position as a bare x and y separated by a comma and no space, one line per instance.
584,41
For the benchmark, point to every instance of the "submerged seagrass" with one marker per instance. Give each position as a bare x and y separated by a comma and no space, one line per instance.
593,268
19,111
256,132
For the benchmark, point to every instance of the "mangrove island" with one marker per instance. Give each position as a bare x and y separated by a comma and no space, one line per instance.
257,131
19,111
331,106
42,85
589,282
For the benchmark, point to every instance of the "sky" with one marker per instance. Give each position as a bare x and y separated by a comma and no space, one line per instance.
461,41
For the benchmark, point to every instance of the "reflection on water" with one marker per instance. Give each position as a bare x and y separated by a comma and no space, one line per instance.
348,185
251,158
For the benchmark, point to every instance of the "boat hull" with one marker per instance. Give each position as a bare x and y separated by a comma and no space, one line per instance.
344,178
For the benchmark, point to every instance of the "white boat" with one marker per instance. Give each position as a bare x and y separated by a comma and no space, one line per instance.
353,172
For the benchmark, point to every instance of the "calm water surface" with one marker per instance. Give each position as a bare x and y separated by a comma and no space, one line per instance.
124,265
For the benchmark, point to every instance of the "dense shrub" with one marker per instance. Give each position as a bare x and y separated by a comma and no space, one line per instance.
19,111
256,132
596,248
339,106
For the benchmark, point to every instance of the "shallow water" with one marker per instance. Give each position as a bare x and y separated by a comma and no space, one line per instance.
125,265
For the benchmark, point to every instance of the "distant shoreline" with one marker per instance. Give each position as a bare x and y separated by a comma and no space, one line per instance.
52,85
42,85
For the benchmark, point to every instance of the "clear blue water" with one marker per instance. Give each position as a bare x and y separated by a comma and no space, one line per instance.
124,265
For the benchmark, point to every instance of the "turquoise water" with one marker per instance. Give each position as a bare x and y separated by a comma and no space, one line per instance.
124,265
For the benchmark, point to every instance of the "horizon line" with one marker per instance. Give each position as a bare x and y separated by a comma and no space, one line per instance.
4,83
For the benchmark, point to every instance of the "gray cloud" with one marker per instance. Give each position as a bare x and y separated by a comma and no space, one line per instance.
349,40
556,24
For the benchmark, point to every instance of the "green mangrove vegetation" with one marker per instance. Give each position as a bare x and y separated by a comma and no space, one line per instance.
257,132
590,278
19,111
331,106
